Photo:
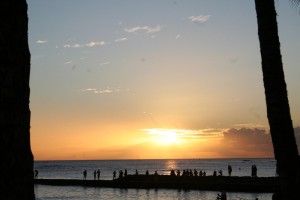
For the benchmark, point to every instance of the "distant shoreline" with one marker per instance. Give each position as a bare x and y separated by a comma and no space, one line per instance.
134,159
211,183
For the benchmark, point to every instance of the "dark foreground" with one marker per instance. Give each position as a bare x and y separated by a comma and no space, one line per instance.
237,184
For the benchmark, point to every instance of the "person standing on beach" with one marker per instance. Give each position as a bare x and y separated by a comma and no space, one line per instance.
114,175
98,174
254,170
36,174
222,196
229,170
95,173
84,174
120,174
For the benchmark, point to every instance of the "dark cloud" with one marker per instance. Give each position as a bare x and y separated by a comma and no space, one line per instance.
247,142
250,142
248,135
211,131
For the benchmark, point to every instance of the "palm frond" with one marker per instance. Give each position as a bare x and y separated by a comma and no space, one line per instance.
295,2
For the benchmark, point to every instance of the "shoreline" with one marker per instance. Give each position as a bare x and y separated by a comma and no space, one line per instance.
211,183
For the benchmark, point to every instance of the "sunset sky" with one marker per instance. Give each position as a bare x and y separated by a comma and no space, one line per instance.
138,79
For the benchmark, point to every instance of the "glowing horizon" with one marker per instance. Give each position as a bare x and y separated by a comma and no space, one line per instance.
184,81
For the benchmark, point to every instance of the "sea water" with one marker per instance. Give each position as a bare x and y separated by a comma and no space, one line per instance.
74,170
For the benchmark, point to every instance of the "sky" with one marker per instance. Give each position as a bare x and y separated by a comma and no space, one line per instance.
159,79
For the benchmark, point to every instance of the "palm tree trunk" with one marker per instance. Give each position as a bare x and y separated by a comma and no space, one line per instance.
278,111
16,166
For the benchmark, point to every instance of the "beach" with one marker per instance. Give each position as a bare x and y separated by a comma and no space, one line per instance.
70,175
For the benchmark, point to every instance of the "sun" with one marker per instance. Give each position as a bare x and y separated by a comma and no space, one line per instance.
163,136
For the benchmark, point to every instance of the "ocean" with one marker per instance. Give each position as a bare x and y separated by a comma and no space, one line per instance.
74,170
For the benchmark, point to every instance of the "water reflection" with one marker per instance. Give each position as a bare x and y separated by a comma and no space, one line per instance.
169,165
87,193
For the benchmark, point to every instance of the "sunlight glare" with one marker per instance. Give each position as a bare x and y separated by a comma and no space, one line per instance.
164,136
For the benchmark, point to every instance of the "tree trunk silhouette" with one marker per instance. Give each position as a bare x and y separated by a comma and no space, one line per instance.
16,165
278,111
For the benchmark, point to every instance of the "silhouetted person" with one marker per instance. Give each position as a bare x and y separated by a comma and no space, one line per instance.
120,174
204,173
84,174
147,173
36,174
195,172
172,173
136,172
253,171
178,172
229,170
191,173
95,174
98,174
223,196
215,173
114,175
125,173
220,173
155,173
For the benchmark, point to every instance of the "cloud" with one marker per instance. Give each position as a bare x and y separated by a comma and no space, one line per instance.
249,142
177,36
93,44
89,44
104,63
187,134
103,91
254,135
145,29
41,41
121,39
68,62
246,142
201,19
72,46
228,147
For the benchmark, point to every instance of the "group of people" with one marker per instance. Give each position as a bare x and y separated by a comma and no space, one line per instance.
96,174
121,174
229,168
195,173
188,172
220,173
